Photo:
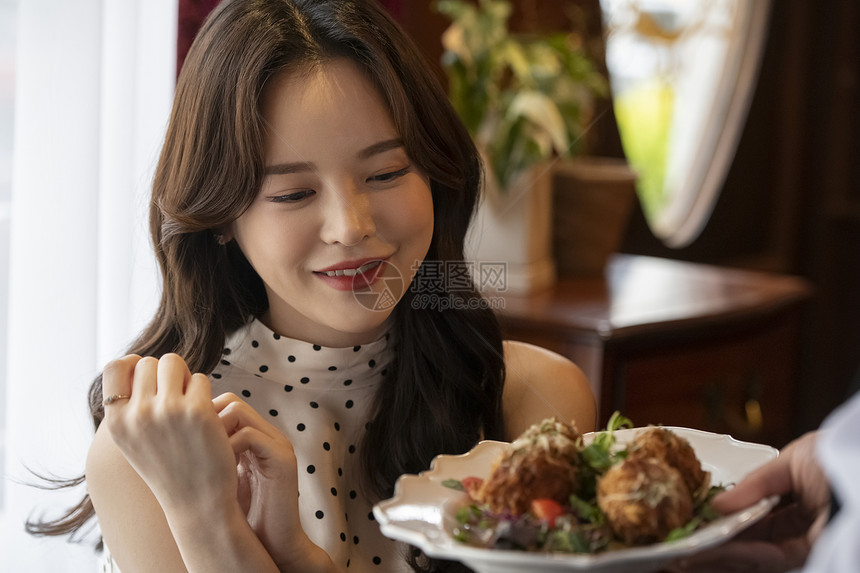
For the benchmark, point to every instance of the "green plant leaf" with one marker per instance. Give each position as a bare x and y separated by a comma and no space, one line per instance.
524,99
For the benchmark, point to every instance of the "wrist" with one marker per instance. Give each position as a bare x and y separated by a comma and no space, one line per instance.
307,557
222,516
217,538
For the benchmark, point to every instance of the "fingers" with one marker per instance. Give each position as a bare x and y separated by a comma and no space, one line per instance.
173,375
276,455
145,373
222,400
794,471
773,478
199,388
236,414
117,378
251,440
136,379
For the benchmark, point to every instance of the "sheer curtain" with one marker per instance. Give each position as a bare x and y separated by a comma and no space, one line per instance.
94,83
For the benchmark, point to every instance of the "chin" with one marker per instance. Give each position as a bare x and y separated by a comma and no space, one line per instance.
367,322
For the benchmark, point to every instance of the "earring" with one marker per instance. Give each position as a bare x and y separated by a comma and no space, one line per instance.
219,238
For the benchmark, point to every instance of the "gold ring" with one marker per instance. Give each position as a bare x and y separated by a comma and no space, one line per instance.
111,399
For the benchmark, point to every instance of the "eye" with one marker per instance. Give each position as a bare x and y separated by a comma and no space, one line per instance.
390,176
292,197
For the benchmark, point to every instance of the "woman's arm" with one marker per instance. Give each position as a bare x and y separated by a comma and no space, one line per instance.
138,533
163,478
541,384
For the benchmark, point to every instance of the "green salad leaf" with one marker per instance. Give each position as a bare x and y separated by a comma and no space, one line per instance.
454,484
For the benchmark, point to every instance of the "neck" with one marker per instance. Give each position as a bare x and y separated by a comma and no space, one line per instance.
314,334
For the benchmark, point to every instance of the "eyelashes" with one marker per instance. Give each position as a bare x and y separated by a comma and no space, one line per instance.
390,176
292,197
300,195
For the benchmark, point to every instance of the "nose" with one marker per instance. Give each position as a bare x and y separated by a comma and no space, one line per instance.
348,217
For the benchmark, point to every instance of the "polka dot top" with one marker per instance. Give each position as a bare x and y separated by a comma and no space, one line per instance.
320,398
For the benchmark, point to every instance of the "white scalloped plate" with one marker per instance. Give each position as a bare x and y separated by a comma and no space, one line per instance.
422,511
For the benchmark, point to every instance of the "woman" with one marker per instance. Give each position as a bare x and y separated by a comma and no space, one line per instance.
311,165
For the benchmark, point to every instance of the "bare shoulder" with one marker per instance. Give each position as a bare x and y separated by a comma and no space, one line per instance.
540,384
131,520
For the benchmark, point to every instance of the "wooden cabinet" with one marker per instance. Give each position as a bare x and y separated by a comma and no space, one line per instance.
675,343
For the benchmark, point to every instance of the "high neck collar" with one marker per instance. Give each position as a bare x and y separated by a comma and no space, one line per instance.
257,349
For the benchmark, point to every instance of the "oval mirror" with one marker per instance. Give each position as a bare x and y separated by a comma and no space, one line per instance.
682,74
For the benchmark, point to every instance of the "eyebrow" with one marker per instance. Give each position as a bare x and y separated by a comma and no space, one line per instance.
366,153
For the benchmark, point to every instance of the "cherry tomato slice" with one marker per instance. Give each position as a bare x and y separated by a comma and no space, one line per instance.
472,485
547,510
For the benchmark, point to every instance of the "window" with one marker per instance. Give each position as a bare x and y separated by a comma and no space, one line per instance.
682,74
93,91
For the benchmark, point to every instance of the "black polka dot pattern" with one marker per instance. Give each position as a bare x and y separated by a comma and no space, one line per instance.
320,398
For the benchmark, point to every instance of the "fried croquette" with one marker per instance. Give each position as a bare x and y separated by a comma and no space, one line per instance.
543,463
663,444
644,499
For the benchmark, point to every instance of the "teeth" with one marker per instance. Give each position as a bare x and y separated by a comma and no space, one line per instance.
352,272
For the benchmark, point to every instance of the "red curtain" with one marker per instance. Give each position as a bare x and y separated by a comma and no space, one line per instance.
193,12
191,16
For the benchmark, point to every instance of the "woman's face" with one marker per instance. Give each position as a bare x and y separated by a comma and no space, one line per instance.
340,195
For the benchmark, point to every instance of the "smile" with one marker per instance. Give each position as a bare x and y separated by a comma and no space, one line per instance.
352,272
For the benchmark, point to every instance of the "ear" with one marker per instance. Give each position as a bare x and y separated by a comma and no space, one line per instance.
222,236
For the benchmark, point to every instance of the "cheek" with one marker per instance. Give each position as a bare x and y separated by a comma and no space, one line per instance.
274,243
413,218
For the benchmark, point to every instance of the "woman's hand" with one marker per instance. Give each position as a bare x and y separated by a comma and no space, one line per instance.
268,481
186,448
170,432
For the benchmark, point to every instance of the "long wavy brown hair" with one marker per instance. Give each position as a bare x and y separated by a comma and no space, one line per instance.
448,370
